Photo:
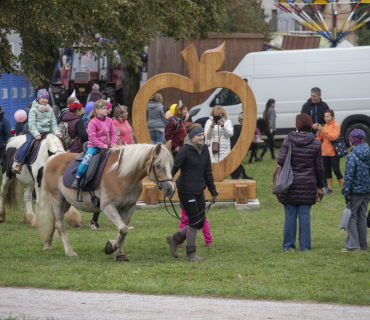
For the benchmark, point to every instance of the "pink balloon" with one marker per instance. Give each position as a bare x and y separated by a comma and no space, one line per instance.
20,116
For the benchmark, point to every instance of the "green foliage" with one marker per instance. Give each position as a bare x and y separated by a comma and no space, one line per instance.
245,16
363,33
245,262
46,25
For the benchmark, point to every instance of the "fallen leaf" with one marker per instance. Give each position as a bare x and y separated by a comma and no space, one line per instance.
240,276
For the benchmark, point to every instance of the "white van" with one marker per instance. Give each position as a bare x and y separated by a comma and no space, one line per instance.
342,74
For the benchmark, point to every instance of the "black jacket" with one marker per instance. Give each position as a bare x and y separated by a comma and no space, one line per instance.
196,171
308,172
5,131
309,108
56,75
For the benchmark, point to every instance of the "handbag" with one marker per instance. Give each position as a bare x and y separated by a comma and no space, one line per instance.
215,147
340,147
286,176
275,179
345,219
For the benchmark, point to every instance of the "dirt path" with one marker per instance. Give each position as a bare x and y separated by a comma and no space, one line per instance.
31,303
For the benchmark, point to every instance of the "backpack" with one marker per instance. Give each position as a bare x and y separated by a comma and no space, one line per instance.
176,125
63,128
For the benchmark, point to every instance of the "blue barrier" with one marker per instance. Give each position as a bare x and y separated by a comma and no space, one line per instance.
15,93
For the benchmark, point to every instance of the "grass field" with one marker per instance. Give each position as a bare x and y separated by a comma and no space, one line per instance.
245,262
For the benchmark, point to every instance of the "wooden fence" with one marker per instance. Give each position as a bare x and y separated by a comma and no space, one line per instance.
164,56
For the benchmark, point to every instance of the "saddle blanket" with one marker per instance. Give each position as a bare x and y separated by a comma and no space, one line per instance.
30,159
70,174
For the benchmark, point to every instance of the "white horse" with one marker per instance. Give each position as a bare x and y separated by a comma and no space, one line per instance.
31,176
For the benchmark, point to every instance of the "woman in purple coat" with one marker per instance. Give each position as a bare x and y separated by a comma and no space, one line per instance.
308,177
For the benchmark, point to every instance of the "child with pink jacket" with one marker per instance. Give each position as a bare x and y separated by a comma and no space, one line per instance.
100,129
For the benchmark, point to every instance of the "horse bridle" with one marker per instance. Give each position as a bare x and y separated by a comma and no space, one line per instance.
157,181
152,166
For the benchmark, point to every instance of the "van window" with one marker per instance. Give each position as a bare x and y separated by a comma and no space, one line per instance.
228,98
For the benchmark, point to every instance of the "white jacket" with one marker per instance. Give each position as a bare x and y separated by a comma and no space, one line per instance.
221,135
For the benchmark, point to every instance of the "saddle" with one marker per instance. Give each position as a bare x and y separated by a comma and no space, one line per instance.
34,149
91,177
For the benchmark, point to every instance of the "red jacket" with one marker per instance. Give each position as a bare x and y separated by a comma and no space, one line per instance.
179,136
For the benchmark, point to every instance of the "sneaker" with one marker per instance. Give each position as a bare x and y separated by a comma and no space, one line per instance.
209,244
326,189
181,245
258,159
94,225
345,250
17,169
330,191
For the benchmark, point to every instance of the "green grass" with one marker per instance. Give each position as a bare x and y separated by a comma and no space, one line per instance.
245,262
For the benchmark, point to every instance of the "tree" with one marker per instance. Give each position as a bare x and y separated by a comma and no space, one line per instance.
245,16
363,32
46,25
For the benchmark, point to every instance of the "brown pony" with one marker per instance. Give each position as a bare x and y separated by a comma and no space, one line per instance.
119,189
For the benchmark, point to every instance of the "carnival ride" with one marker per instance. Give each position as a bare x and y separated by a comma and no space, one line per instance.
334,36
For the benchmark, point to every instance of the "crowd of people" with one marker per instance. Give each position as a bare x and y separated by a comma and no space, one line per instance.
310,147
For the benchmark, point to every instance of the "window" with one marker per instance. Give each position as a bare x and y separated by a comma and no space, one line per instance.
274,21
228,98
14,93
23,92
30,91
4,93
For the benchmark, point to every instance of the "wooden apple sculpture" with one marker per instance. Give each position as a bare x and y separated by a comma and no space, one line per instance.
203,77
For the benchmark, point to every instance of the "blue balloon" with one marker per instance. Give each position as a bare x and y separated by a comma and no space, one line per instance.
89,107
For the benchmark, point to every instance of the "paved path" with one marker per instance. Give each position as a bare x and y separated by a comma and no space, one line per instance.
31,303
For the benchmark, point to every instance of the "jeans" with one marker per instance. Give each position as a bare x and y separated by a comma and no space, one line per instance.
25,147
290,227
86,161
156,136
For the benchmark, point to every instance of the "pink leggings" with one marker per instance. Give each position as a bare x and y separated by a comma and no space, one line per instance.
205,229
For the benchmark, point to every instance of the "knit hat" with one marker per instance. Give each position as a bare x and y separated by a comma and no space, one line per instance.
240,117
74,106
195,131
356,136
42,93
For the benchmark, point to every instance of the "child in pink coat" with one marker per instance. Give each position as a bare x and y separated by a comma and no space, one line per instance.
100,129
121,123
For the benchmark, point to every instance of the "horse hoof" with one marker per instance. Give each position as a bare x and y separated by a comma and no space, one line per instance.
47,248
109,248
71,254
122,257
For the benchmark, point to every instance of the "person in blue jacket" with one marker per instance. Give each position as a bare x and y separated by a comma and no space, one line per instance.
356,190
5,132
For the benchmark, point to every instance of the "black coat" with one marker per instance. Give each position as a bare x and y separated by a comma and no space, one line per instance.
196,171
5,131
308,172
309,108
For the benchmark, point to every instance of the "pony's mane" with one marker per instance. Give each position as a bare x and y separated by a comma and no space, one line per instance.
54,145
133,156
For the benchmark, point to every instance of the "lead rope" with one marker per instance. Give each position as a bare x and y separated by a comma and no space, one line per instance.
206,209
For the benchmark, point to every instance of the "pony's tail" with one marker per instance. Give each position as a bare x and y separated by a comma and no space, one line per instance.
73,218
12,194
45,217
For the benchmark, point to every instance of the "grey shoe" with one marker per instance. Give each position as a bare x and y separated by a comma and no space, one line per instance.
194,258
76,184
173,246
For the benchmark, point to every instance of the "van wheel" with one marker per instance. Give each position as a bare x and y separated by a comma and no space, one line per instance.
360,126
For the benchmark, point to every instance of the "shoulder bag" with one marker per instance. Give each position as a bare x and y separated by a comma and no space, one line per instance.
340,147
286,177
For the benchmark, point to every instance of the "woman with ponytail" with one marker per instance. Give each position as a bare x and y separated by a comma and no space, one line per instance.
196,173
270,116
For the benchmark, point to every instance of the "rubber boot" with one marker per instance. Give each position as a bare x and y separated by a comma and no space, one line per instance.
273,153
191,254
173,241
76,183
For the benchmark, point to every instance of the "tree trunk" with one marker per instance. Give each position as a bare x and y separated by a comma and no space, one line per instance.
130,83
